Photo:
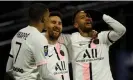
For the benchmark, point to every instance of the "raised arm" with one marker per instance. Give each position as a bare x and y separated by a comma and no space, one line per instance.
115,34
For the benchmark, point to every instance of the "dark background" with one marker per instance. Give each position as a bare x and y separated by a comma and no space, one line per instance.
13,16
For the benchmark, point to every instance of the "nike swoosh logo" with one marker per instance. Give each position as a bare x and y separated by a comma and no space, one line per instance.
50,55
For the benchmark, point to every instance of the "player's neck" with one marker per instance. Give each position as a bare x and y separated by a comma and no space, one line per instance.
37,25
50,41
85,34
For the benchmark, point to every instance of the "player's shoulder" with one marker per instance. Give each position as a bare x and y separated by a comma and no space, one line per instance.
19,33
62,35
102,33
65,34
34,33
43,33
38,38
35,36
64,38
75,34
103,37
25,29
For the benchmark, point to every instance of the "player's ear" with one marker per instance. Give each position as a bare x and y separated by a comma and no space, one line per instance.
76,25
45,29
42,19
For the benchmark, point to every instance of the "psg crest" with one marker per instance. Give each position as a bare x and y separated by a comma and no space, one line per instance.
46,50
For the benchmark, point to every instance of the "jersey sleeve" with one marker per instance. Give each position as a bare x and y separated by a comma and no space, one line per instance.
65,39
104,38
38,48
111,36
11,51
9,64
10,59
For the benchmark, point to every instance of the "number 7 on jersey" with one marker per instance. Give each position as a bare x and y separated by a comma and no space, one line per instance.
18,43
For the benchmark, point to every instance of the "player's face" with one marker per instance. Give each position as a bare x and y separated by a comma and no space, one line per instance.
83,21
55,27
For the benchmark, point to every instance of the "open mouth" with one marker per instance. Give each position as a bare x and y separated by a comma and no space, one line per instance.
88,22
56,32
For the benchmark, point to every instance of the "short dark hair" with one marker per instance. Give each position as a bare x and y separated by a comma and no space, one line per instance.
74,15
36,11
55,13
76,12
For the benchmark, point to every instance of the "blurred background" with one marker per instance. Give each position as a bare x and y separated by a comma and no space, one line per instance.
14,16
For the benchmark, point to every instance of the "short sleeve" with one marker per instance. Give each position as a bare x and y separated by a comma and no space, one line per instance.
40,48
64,38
